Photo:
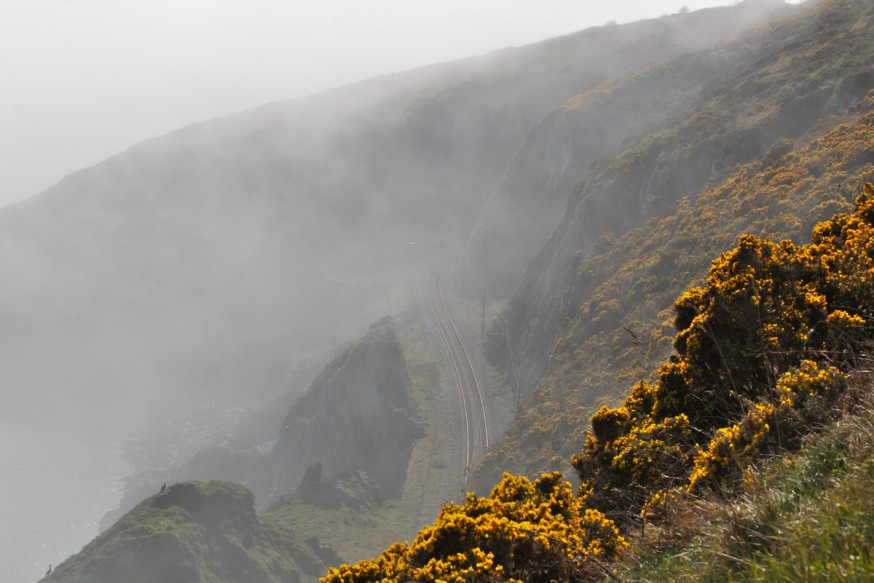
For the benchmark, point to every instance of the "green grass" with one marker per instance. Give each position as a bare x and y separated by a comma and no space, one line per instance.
353,534
802,517
204,531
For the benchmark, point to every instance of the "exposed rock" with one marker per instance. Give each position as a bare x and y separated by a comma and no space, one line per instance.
357,415
352,490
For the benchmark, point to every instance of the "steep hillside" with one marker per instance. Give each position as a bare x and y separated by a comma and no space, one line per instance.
198,264
771,359
593,311
527,204
181,284
193,531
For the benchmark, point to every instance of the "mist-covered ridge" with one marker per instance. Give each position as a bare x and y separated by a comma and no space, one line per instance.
593,311
201,262
250,299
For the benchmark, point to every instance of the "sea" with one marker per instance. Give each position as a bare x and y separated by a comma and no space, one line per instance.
55,485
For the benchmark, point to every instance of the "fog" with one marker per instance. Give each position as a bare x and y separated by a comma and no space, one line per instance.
206,211
82,80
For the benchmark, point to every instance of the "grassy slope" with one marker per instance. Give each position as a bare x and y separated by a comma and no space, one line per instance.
611,322
807,516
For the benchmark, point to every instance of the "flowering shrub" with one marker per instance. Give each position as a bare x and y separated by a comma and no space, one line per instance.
766,425
733,448
796,387
756,349
754,367
524,531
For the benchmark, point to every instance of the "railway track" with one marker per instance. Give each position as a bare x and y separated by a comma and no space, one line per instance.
474,414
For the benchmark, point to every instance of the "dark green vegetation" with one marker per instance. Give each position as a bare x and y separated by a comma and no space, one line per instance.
347,515
193,531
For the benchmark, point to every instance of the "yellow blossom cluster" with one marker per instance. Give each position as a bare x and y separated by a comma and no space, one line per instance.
523,531
841,319
755,365
757,354
733,448
797,386
652,446
659,500
766,423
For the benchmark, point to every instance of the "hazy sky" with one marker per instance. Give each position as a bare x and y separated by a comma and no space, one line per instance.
81,80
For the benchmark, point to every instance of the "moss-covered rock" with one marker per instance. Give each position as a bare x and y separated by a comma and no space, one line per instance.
192,531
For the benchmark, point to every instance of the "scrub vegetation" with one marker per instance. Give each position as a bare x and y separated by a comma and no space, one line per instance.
682,372
764,353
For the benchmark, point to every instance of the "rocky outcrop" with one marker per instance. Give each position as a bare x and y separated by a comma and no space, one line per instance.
192,531
357,415
351,490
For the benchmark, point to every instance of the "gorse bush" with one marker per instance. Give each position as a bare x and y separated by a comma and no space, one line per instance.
759,353
797,516
760,356
523,531
803,395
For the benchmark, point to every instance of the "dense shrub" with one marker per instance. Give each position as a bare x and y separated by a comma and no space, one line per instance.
523,531
759,352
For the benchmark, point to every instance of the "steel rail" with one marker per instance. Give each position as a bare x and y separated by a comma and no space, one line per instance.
459,385
473,405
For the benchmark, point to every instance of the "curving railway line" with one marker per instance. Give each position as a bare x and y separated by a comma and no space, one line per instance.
474,414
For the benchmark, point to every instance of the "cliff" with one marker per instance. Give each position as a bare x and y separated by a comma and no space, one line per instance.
558,151
357,415
593,310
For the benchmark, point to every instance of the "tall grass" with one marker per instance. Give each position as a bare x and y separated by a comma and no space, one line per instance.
807,516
